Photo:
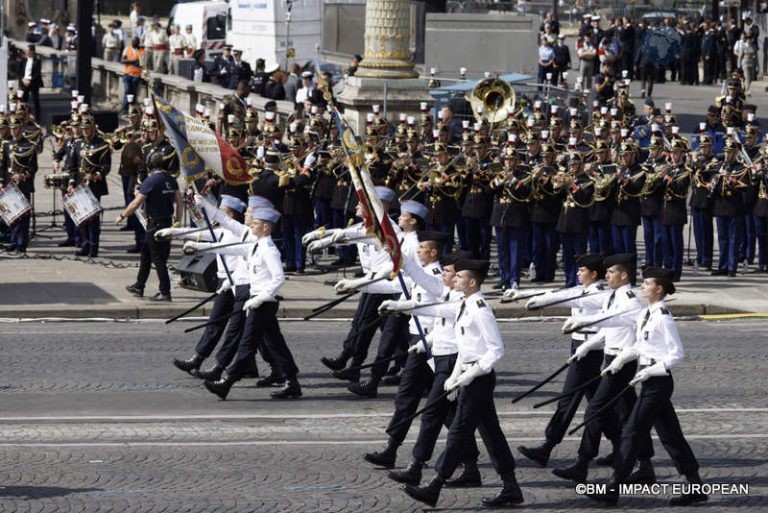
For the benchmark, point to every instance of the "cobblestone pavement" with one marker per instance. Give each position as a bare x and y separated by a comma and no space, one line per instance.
95,418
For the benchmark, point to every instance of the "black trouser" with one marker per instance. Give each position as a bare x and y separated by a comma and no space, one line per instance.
654,409
262,328
155,253
611,420
442,413
363,327
416,378
476,410
222,306
234,333
579,372
394,334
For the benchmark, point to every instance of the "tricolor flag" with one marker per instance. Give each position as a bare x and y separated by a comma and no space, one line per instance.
200,149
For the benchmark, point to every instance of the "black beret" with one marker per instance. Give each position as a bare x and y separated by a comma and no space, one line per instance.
455,256
426,235
480,267
627,259
662,276
591,261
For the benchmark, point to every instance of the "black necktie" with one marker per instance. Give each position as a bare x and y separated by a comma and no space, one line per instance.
255,247
645,319
461,310
610,300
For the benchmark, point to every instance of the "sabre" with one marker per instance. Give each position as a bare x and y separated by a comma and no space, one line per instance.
426,407
527,294
608,405
542,383
424,305
565,300
187,232
377,362
569,392
327,306
198,305
214,321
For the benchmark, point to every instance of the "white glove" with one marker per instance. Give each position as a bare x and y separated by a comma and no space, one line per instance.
389,306
164,234
466,377
316,246
310,160
346,285
585,347
338,236
199,201
260,152
453,395
315,235
450,385
255,302
534,303
626,355
417,348
227,285
576,323
655,370
614,367
191,247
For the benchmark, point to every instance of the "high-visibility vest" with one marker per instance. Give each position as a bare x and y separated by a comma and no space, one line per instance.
132,54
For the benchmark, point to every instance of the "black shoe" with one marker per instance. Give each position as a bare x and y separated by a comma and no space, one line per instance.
606,461
212,374
274,379
220,387
409,475
251,372
643,475
509,495
427,493
687,499
300,270
731,274
540,454
576,472
189,364
347,375
469,478
718,272
81,253
335,364
160,297
291,390
385,458
392,380
66,244
136,291
498,286
133,249
290,269
368,388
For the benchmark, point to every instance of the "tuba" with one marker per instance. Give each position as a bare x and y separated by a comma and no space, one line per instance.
495,96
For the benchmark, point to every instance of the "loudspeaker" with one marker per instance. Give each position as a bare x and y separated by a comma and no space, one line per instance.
198,272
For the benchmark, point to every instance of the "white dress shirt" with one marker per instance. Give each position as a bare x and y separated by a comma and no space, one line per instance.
657,337
619,331
590,304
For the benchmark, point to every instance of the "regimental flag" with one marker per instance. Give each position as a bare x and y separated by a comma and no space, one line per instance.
375,218
200,149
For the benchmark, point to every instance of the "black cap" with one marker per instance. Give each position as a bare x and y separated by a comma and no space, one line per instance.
426,235
649,103
662,276
480,267
591,261
452,258
713,110
627,259
271,104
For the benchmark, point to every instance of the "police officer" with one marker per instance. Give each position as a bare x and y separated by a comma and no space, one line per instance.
473,380
159,193
224,67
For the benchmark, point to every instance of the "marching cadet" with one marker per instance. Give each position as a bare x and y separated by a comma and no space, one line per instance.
625,216
675,180
472,383
657,349
726,186
417,376
511,216
442,344
577,190
652,201
591,273
261,325
614,337
603,173
704,168
19,163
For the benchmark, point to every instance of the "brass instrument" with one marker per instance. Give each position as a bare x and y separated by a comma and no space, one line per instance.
604,179
495,96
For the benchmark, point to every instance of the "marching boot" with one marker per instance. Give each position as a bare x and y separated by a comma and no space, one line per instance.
607,460
509,495
220,388
611,495
347,374
644,473
576,472
291,390
538,454
427,493
212,374
252,371
469,478
189,364
275,378
686,499
368,388
409,475
385,458
338,363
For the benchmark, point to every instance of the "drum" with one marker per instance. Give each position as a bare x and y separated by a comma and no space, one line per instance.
81,205
57,181
13,204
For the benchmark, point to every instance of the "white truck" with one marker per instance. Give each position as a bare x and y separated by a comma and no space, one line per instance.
278,31
208,20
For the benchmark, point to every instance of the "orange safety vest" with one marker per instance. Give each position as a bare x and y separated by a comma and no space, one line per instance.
132,54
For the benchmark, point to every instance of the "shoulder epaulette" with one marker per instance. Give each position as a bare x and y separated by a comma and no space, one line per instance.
664,311
630,294
436,270
480,303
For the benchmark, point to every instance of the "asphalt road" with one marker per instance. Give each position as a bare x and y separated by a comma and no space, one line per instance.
95,418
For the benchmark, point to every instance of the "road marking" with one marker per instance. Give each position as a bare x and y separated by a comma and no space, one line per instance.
317,442
311,416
